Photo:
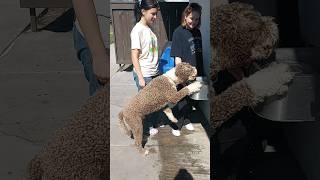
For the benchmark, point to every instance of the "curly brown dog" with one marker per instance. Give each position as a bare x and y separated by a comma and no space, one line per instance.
155,96
240,36
79,150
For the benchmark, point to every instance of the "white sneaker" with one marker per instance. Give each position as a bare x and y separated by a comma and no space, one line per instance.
176,132
153,131
190,127
162,126
269,148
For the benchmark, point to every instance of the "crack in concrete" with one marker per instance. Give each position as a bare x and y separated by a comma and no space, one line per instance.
8,47
22,138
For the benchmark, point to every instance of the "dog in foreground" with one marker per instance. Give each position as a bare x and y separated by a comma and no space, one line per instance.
156,96
80,149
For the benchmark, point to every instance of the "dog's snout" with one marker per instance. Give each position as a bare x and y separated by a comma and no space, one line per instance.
193,75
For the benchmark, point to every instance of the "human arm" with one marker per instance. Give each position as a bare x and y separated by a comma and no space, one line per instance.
176,50
136,65
86,15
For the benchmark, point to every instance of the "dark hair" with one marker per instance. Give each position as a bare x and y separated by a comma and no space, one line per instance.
191,7
146,5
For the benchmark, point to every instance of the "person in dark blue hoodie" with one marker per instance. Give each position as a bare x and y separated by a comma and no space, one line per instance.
187,47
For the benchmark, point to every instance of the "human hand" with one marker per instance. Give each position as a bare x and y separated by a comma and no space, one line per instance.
142,83
100,69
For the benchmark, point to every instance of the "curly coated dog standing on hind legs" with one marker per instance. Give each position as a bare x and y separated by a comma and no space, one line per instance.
156,96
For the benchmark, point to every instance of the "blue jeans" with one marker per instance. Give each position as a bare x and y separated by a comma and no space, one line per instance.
84,55
136,79
152,119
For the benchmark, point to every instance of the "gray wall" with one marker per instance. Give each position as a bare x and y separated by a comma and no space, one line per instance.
309,21
205,31
304,138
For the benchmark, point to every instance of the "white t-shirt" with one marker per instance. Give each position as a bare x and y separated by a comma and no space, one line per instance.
144,39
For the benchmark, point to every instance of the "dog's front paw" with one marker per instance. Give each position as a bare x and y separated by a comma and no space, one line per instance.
143,151
194,87
146,152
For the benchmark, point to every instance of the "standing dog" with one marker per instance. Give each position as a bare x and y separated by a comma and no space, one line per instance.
155,96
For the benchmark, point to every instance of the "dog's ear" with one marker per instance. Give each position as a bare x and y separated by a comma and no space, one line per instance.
271,29
239,34
267,40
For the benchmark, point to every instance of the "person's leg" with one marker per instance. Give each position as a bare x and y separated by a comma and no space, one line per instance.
179,114
84,55
176,127
182,111
186,110
180,107
152,118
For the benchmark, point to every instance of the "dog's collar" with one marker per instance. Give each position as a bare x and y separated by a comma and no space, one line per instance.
170,79
170,73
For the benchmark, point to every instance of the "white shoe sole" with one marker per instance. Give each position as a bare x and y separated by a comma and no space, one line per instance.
153,131
190,127
176,133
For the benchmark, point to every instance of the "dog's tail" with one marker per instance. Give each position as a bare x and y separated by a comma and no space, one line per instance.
34,171
123,124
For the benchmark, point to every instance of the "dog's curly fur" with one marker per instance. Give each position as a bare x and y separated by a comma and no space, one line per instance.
155,96
80,149
239,34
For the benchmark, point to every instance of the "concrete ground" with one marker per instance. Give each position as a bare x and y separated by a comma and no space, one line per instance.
184,158
12,26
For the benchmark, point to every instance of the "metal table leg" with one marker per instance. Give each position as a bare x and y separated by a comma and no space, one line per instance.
33,19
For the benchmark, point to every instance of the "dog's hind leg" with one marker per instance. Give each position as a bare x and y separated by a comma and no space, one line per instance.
170,115
137,134
123,125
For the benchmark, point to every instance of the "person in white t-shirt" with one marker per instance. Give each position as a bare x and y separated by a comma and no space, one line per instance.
144,49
